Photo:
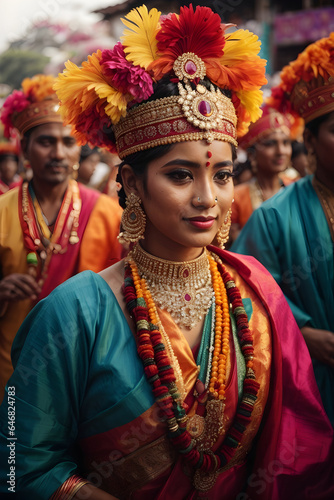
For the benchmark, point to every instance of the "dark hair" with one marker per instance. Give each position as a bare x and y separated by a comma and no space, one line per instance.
314,125
241,167
86,151
28,133
298,148
139,161
5,156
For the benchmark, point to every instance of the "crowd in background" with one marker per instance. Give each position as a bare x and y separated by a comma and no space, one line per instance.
60,215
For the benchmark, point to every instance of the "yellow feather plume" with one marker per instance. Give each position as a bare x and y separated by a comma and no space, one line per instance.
139,40
80,88
252,101
117,101
240,45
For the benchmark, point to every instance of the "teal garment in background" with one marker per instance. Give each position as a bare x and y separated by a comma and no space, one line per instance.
289,235
64,390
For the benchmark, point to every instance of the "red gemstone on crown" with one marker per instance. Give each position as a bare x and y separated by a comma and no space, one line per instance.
186,273
187,297
190,67
204,108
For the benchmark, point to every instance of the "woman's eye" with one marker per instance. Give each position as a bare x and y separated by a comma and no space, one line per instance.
224,175
180,175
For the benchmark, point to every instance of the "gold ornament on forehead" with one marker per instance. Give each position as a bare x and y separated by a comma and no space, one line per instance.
204,108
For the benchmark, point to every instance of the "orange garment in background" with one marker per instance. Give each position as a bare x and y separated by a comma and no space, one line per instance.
98,248
247,198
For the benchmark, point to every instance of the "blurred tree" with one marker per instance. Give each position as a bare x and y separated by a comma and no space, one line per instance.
15,65
46,45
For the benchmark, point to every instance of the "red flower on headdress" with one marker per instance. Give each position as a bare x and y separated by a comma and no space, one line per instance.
91,126
124,76
196,31
15,103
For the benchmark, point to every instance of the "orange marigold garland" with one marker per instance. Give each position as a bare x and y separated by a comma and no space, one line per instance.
161,376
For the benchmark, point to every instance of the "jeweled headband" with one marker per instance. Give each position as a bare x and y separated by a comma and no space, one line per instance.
270,121
110,90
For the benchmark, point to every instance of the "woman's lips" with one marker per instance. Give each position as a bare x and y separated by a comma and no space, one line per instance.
202,222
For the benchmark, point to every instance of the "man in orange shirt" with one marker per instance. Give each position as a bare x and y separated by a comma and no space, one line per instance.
51,227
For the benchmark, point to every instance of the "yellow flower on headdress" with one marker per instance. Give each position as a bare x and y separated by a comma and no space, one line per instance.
116,101
240,67
79,89
240,45
72,87
38,87
139,40
251,100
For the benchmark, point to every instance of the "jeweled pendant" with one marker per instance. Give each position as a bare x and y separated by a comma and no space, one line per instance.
204,107
190,67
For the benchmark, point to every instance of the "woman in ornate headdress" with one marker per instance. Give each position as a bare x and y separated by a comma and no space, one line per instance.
170,374
293,234
268,147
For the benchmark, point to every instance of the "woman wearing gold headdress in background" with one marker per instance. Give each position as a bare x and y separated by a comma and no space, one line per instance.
168,376
292,234
268,146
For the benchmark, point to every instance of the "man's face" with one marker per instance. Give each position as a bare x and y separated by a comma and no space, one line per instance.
51,152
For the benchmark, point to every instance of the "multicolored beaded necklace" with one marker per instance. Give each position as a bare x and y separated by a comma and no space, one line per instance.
40,243
165,380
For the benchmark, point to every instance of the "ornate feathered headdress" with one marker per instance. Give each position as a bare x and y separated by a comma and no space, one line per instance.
188,47
35,104
307,84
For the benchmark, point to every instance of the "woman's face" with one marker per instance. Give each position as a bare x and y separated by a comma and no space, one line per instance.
188,193
8,168
273,153
87,167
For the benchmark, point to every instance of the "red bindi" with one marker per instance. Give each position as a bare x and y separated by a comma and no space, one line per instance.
209,154
207,164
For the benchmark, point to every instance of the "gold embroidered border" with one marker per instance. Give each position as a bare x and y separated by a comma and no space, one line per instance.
140,467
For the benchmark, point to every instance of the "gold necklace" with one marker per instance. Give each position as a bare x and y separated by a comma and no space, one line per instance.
184,289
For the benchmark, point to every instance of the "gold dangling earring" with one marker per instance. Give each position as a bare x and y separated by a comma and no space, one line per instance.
133,221
75,171
223,233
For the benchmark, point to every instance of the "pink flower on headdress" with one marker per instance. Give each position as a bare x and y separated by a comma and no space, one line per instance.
124,75
15,103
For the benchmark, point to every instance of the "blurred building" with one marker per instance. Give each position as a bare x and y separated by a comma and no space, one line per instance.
285,27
